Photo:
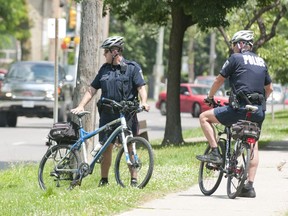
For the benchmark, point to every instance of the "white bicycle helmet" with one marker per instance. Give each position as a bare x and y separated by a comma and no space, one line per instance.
243,35
114,41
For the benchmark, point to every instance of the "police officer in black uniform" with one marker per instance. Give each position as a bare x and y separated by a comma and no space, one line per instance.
251,84
119,79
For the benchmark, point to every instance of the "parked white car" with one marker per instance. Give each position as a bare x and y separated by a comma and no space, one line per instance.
277,96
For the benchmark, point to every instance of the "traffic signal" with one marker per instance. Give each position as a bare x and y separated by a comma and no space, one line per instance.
72,18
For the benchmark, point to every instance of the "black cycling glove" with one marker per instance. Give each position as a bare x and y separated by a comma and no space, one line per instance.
210,101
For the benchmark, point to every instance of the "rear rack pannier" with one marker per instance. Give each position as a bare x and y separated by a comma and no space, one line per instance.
245,129
64,132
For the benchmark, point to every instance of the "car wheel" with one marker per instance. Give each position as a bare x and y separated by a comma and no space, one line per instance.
11,119
196,110
163,108
3,119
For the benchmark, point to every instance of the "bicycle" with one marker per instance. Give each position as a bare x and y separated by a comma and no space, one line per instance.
62,164
236,156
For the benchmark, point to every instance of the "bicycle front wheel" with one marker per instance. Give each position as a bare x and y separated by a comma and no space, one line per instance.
238,169
210,175
141,167
58,167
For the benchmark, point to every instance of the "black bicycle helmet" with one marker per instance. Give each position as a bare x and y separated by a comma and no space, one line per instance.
114,41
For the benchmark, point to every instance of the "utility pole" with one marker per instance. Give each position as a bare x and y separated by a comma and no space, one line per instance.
77,34
158,69
212,53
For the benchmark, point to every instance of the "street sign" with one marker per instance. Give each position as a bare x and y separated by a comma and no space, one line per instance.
61,28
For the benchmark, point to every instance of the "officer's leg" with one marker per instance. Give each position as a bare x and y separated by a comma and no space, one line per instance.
206,118
253,164
106,162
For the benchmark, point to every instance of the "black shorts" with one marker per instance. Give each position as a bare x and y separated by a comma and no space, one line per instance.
226,115
132,124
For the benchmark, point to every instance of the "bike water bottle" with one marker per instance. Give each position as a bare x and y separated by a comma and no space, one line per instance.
96,149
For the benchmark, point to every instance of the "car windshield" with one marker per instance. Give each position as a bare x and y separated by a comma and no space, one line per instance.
200,90
206,81
277,89
204,91
32,72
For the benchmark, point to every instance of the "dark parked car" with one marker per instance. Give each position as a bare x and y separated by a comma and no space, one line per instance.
28,90
191,99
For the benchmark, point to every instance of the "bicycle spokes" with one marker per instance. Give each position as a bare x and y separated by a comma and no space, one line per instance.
141,167
238,170
58,167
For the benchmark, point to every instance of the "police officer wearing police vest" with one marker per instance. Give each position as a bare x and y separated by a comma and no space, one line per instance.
119,79
249,80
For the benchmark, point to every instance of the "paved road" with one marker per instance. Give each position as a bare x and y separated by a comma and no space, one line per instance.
270,185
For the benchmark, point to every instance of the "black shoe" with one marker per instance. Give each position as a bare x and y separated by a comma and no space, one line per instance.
247,192
133,183
212,157
103,183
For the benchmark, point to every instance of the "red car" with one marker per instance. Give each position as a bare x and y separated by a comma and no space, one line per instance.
191,99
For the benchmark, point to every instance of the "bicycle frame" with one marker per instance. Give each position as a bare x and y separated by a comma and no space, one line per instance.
84,135
66,162
228,139
227,131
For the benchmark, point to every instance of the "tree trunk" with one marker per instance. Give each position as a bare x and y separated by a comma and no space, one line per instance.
173,129
25,45
88,63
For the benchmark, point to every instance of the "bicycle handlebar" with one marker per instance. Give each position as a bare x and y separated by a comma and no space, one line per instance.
124,105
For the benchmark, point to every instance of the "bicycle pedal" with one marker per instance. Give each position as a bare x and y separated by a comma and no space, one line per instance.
212,166
54,174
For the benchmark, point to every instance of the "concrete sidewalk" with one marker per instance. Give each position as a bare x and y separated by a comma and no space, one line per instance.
271,188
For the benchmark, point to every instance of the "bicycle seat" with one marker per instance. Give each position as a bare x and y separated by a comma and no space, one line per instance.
81,114
251,108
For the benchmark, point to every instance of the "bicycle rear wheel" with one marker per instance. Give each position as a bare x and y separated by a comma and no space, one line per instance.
238,169
142,163
57,168
210,175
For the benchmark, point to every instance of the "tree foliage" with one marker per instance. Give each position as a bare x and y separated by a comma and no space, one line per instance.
140,41
267,19
14,20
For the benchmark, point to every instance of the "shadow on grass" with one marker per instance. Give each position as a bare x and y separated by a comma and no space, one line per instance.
157,145
7,165
275,146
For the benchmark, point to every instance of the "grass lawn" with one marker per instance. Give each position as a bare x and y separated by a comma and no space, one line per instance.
175,169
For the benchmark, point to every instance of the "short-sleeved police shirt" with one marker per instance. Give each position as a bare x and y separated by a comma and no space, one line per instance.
247,72
117,84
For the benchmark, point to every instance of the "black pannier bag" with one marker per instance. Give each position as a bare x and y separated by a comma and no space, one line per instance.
245,129
66,132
